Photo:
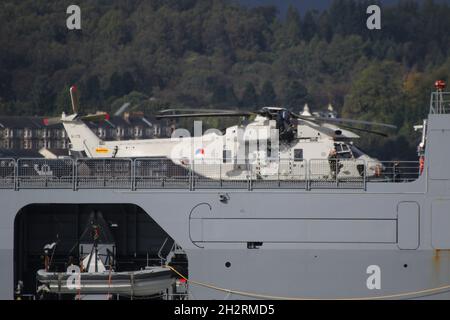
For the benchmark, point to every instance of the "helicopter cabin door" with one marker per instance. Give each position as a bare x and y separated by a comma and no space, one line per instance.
296,163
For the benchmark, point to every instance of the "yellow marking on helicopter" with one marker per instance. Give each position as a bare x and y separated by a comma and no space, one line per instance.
102,150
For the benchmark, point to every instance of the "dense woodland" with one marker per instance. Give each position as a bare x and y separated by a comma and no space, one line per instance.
218,54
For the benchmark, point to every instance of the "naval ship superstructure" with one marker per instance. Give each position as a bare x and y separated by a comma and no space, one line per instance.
307,238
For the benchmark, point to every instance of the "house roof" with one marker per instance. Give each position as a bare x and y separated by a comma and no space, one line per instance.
19,153
19,122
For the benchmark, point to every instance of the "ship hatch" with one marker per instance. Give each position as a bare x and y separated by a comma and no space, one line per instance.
126,231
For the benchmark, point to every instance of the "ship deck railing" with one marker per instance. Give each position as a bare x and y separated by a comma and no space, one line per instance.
440,102
143,174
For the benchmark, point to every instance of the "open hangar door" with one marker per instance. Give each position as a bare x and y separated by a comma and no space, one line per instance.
138,240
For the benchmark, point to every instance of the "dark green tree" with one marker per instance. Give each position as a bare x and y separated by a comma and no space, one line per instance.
249,97
292,25
92,89
41,95
296,95
120,84
224,96
309,26
127,83
268,96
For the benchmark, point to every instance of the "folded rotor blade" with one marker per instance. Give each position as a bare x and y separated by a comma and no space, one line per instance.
174,111
365,130
52,121
95,117
342,120
205,115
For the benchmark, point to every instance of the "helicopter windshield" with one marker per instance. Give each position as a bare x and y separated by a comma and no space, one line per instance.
343,151
357,153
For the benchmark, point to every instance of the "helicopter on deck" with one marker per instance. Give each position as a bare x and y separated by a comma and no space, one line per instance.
275,141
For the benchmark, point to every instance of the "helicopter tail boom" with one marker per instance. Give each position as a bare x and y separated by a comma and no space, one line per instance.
82,138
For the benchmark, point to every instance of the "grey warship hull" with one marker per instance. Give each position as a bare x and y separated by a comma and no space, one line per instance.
290,243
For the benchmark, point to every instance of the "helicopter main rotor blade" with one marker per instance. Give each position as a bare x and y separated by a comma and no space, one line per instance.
205,115
343,120
365,130
197,111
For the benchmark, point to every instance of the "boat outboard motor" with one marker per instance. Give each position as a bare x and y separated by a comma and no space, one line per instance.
47,256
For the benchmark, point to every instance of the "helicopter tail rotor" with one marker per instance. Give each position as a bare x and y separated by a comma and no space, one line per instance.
99,116
74,99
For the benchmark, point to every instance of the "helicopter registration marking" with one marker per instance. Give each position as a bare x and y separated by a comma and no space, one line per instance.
102,150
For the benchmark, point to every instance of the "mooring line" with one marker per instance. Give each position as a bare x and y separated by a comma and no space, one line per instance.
271,297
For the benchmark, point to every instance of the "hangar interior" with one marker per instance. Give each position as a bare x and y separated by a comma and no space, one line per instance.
134,237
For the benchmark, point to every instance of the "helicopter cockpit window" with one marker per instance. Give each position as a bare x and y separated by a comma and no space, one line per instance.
357,153
345,155
298,154
345,148
343,151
